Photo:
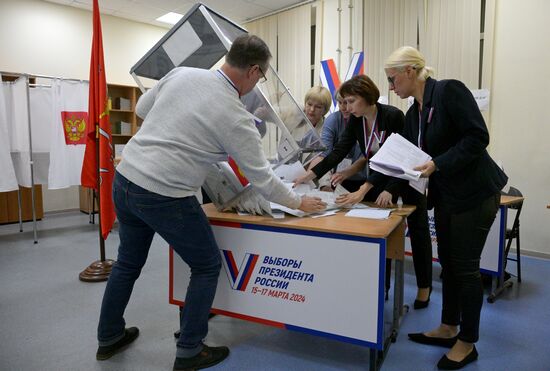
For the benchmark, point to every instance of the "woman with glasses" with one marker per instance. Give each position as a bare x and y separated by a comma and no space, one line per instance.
464,189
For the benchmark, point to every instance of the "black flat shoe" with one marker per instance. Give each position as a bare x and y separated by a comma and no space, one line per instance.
419,337
446,364
420,304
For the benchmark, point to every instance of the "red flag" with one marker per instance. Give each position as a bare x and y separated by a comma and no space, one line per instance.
99,129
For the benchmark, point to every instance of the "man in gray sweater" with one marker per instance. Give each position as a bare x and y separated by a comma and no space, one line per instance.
192,119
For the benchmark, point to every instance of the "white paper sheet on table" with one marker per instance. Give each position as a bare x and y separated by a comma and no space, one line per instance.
290,172
370,213
305,190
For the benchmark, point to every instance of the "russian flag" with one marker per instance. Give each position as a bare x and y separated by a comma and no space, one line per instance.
356,65
330,80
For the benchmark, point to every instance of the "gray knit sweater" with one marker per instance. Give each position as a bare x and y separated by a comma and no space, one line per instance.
192,119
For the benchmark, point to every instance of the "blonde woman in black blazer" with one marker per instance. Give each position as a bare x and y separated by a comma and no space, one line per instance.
464,189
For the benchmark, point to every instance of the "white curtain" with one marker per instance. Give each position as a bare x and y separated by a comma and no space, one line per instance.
452,39
388,25
8,180
266,29
18,127
66,159
294,50
41,115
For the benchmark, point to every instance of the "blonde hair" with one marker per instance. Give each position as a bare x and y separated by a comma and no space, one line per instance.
408,56
321,95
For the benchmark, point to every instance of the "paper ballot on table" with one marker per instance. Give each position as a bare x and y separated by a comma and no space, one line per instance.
370,213
398,157
305,190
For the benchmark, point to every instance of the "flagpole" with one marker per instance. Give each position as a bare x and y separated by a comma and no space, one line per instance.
99,270
98,114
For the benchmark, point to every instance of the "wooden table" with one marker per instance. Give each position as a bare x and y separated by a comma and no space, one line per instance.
323,276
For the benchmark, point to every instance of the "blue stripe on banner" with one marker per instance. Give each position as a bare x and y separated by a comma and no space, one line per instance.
329,77
381,295
311,233
245,272
503,215
332,336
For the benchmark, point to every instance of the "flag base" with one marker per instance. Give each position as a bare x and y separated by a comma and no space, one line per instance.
98,271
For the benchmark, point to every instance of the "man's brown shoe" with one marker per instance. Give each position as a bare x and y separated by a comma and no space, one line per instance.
208,356
106,352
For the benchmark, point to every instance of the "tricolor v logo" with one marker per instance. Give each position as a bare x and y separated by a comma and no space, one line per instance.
239,277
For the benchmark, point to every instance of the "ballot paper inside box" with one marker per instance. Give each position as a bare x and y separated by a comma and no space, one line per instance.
201,39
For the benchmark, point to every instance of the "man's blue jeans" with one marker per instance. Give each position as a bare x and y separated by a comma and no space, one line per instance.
180,222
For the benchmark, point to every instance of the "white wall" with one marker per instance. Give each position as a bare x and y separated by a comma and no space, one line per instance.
43,38
520,124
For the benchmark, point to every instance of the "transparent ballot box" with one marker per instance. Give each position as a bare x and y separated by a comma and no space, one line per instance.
201,39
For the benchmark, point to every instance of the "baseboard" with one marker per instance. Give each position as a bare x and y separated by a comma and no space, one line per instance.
534,254
54,212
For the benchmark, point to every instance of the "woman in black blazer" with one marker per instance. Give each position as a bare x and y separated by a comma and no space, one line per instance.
464,188
361,95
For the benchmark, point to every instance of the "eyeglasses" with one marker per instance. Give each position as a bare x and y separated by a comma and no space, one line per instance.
263,78
391,79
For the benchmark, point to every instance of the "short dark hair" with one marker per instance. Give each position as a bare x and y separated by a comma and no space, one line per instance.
248,50
362,86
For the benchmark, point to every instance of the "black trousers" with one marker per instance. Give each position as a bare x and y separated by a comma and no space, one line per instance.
419,232
460,240
371,196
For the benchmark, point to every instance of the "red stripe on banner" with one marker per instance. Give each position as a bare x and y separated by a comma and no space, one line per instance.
225,224
248,318
333,73
249,273
237,315
171,275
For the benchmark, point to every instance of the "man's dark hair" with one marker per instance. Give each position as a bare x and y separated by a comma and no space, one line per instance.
248,50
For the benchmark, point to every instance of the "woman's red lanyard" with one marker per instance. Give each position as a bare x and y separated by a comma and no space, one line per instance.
373,134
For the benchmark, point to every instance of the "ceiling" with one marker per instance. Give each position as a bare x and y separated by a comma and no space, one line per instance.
146,11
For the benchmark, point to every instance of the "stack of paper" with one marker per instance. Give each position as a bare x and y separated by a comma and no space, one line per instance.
398,157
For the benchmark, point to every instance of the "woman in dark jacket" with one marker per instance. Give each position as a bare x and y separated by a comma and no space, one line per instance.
464,188
370,124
